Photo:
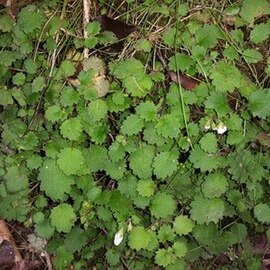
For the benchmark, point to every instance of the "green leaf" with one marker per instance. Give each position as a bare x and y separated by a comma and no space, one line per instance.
67,68
226,77
139,238
209,143
91,42
179,264
120,205
62,217
180,61
203,161
183,225
53,181
29,19
15,206
168,126
69,97
139,85
235,122
162,205
18,95
166,233
252,55
215,185
208,35
70,160
16,179
146,187
165,164
62,258
259,103
244,167
128,186
180,249
71,129
231,53
98,132
107,38
75,239
153,243
217,101
147,111
28,142
115,170
38,84
38,217
132,125
207,210
44,229
34,162
6,97
162,9
143,45
151,136
6,23
95,157
30,66
171,37
235,137
112,257
262,212
182,9
260,32
18,78
116,151
164,257
131,72
206,234
7,57
127,68
97,110
141,161
250,9
93,28
54,113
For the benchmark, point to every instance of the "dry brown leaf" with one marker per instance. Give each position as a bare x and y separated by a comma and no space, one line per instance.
120,29
13,6
185,81
10,258
6,235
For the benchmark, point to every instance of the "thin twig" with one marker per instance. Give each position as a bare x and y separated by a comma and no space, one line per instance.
86,20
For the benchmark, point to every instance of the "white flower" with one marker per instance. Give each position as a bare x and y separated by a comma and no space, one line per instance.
221,128
118,237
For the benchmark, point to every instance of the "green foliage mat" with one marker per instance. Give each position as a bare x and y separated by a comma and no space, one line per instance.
146,175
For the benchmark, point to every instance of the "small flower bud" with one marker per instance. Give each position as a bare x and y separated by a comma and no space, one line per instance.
118,237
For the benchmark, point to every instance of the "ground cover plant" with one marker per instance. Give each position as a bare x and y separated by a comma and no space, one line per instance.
152,153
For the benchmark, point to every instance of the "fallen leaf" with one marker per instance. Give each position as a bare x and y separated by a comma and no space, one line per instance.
264,139
13,6
7,256
184,80
25,265
10,258
5,235
120,29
